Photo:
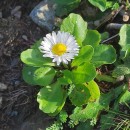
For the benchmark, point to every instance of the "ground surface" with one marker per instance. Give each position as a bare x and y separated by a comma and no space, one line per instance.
18,106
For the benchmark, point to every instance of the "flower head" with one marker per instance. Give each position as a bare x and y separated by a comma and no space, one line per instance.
61,47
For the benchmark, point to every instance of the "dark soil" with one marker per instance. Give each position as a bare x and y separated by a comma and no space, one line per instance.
18,106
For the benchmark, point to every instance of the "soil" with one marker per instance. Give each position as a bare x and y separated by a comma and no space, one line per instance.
18,106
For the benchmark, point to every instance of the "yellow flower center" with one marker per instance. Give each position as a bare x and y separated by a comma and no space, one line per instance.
59,49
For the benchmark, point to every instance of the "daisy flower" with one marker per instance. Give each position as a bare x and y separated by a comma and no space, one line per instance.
61,47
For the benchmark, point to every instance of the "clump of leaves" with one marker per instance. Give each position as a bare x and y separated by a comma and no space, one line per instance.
63,7
74,81
105,4
123,68
115,118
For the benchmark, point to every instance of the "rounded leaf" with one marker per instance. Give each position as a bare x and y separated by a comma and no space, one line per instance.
28,74
93,89
84,73
101,4
43,76
33,57
125,37
50,98
65,6
38,76
104,54
85,55
75,25
92,38
80,95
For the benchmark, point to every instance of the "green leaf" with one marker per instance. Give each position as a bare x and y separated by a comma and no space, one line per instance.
94,90
101,4
108,119
104,36
63,80
44,76
63,7
92,110
33,57
120,71
125,97
38,76
63,116
125,37
92,38
50,98
36,44
28,74
104,54
79,95
75,25
85,126
84,73
85,55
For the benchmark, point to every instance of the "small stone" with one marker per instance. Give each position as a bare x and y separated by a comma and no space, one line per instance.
15,10
126,17
126,112
97,23
0,14
0,101
14,113
25,37
3,87
44,14
1,36
120,78
17,83
18,14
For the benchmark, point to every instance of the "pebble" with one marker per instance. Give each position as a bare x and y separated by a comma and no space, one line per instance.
126,17
0,14
18,14
15,10
44,15
25,37
1,36
126,112
14,113
17,83
97,23
3,86
120,78
0,101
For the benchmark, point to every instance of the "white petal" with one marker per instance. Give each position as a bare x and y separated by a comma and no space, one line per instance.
60,37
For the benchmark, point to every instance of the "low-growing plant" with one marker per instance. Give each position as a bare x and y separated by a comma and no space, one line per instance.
64,65
63,7
105,4
123,66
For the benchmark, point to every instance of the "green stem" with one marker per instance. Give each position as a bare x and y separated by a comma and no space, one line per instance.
106,78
